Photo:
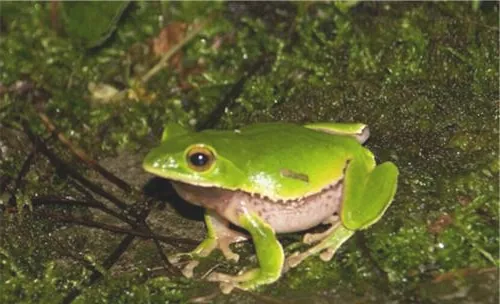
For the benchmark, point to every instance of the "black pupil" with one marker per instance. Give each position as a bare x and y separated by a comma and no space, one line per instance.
198,159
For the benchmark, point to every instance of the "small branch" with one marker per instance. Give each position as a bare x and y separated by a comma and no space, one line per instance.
80,154
86,194
133,232
107,264
61,165
65,251
113,258
142,219
88,204
460,273
19,182
163,61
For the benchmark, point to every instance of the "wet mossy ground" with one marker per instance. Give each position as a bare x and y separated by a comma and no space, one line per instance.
423,76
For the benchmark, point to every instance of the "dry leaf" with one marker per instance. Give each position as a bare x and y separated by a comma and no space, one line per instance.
168,37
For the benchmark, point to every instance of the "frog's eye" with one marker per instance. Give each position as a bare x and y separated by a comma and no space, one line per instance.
200,158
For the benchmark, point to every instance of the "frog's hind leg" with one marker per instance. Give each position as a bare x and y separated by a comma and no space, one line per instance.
219,236
368,192
357,130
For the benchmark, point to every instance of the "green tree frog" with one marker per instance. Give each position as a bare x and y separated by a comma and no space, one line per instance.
271,178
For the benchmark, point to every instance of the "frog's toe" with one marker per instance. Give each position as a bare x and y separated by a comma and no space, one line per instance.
188,270
176,258
188,259
226,288
191,259
295,259
226,282
327,254
247,280
173,259
220,277
226,251
311,238
331,240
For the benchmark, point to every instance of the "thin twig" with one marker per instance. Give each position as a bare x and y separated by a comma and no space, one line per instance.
164,59
96,275
463,272
113,258
65,251
86,194
142,220
162,255
60,164
88,204
63,218
80,154
19,182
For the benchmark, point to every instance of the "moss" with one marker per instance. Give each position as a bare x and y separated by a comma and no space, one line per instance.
424,76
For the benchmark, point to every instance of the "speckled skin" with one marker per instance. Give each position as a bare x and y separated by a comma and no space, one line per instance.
282,216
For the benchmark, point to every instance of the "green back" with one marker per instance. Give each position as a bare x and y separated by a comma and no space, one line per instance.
278,160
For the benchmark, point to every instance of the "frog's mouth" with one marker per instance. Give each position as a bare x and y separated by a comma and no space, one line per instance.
326,192
175,177
213,192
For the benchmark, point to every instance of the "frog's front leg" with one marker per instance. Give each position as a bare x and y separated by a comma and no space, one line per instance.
269,254
219,235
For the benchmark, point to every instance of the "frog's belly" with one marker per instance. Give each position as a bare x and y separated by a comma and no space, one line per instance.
283,216
288,216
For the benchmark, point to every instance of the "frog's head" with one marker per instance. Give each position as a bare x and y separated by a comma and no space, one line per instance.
192,158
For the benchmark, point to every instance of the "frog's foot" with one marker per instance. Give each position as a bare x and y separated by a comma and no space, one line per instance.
203,250
311,238
269,254
220,236
189,260
331,241
246,280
